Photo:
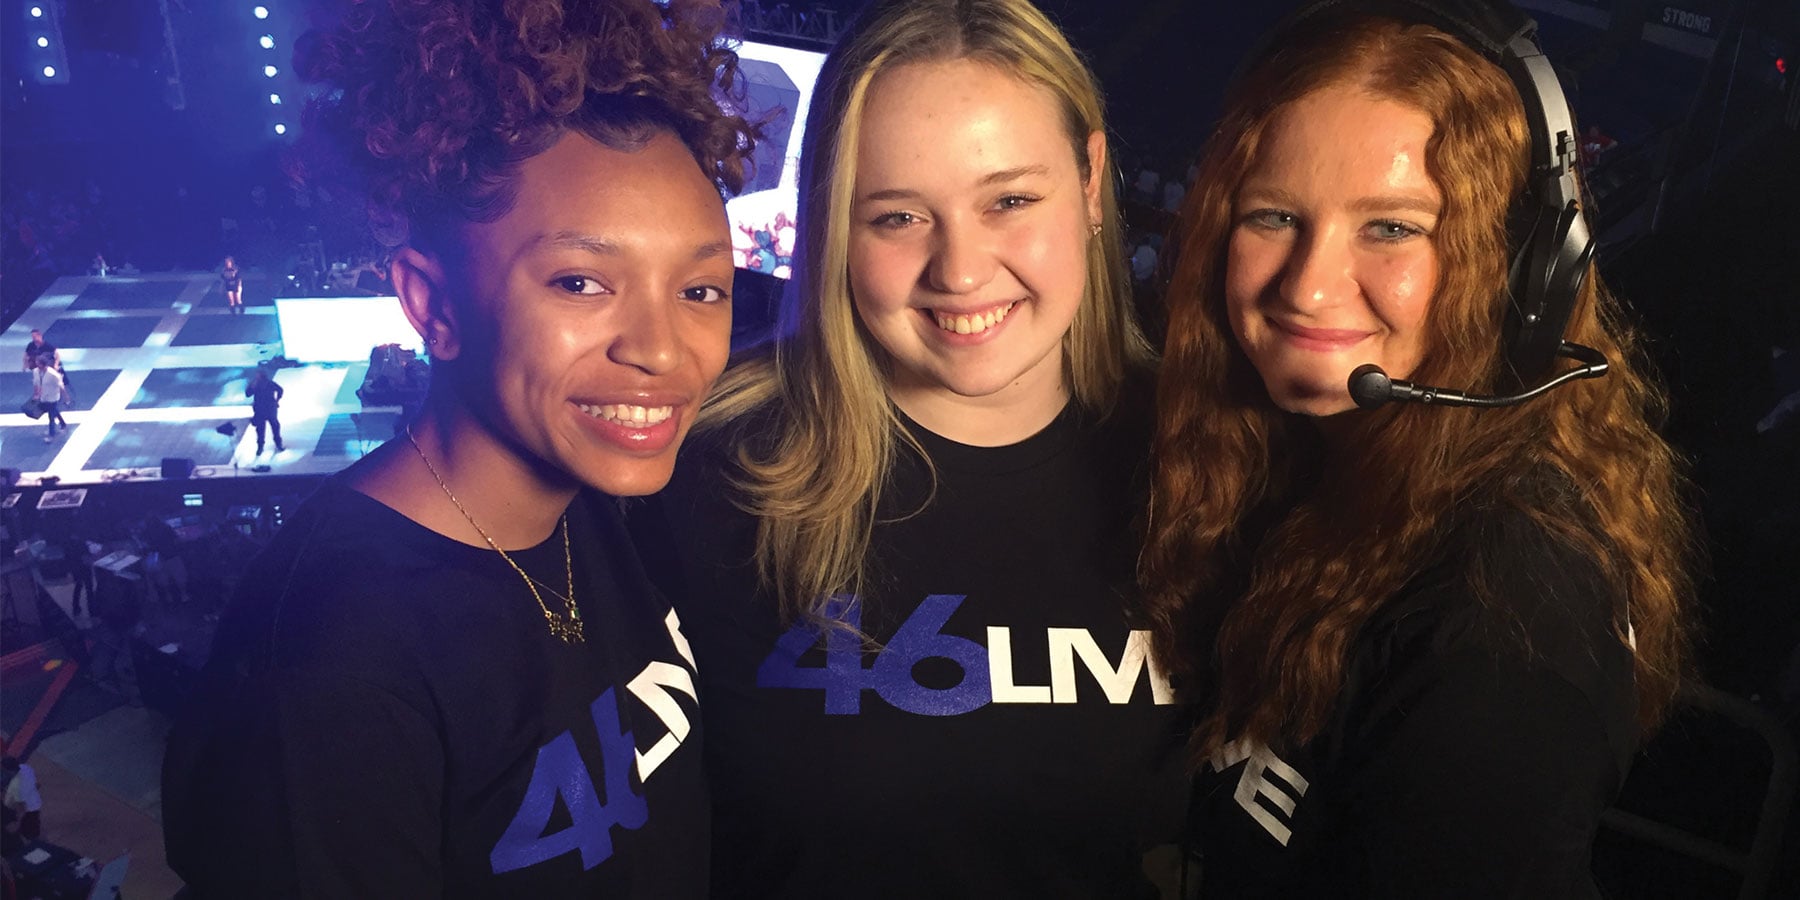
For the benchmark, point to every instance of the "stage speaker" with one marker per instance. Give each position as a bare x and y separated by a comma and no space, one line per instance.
177,467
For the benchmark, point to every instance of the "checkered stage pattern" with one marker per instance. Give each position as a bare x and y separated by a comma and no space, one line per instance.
156,364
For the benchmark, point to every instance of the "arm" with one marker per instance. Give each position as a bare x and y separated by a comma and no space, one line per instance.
320,786
278,391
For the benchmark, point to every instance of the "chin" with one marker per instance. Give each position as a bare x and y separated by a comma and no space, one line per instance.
632,481
1311,400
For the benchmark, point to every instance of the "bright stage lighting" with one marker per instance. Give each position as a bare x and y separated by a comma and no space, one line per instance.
280,128
261,12
267,41
49,71
269,71
43,42
274,99
37,12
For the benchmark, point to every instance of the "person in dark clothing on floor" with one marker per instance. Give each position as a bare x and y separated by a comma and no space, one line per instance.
1426,639
448,675
265,406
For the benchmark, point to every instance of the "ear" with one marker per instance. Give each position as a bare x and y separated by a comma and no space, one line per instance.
420,280
1097,175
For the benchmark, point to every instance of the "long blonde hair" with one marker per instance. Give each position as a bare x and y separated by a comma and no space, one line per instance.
814,479
1273,647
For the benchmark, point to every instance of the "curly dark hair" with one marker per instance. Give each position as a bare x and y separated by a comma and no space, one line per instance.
432,105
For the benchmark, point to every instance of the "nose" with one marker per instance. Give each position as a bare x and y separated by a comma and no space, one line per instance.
647,338
1320,270
962,261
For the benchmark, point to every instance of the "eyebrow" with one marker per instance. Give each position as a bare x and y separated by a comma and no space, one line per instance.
599,246
1398,202
992,178
1373,204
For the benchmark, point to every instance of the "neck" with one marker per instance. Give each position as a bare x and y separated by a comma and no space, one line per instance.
515,500
1007,416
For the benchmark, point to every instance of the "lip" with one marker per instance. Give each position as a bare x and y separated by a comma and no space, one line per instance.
644,441
951,338
1323,340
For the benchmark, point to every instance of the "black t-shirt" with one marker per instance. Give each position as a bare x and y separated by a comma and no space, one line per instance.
1470,755
386,714
1005,737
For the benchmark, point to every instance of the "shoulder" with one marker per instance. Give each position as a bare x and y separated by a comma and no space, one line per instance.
347,585
1513,615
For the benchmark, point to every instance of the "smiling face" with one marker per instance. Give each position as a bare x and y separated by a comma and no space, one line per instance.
593,317
1331,263
968,236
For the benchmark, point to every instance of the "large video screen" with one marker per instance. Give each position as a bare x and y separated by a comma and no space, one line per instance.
341,329
779,89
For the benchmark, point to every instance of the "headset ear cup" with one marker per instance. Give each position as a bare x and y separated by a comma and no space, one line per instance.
1546,280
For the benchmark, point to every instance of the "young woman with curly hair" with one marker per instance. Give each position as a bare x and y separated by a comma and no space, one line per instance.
445,677
904,545
1426,640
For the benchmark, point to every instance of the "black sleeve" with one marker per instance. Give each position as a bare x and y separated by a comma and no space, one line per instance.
319,786
1491,786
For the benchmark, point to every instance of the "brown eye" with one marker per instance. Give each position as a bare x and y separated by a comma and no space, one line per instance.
579,284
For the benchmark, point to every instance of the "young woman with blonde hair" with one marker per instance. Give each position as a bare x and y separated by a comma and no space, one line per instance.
1425,640
903,546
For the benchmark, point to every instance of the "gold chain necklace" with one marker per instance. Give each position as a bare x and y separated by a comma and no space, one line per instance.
565,626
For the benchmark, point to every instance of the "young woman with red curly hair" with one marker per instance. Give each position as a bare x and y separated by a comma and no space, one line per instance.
445,677
1426,640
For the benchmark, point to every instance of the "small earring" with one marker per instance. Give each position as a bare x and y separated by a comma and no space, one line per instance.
1094,230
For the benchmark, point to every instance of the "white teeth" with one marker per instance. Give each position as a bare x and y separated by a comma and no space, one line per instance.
632,416
973,324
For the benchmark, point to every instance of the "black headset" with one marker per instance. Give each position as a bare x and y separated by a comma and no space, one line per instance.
1550,241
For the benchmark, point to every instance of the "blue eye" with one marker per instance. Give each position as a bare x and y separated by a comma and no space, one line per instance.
1270,219
895,220
1390,231
579,284
705,294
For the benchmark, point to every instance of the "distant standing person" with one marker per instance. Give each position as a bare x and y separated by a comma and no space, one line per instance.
47,389
40,347
22,797
233,279
265,400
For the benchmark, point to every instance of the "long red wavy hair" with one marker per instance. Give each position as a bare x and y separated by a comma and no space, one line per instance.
1265,558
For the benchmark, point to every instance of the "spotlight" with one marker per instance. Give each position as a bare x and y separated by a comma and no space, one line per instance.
37,12
43,42
49,71
269,71
267,41
280,128
274,99
261,12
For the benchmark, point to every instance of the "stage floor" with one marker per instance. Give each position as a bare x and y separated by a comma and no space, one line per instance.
157,363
